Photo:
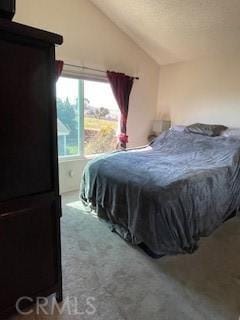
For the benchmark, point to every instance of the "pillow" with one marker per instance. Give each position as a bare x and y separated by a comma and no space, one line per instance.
178,128
211,130
231,132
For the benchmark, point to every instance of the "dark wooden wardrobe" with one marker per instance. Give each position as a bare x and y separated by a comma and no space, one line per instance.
30,207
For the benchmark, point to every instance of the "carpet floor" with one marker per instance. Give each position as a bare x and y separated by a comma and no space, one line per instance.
106,278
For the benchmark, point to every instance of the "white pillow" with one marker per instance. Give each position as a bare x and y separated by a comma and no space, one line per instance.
178,128
231,132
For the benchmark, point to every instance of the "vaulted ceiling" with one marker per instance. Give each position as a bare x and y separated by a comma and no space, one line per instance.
177,30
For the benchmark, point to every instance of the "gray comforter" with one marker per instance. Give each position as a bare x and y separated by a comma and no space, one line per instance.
168,194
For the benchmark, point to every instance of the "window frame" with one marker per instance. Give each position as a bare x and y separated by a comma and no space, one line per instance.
80,76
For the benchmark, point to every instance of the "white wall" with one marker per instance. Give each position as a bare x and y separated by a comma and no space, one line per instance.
206,90
91,39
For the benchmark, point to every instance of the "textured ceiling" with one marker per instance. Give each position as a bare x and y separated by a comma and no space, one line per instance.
177,30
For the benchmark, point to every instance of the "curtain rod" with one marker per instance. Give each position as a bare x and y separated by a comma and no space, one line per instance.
88,68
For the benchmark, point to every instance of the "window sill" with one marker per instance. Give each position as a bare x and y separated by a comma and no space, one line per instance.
78,158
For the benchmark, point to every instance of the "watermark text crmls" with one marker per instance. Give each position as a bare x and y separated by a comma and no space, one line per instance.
70,306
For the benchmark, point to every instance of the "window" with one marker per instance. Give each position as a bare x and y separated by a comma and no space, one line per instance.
87,117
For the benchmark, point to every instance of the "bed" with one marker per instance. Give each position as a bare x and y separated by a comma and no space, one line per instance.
167,195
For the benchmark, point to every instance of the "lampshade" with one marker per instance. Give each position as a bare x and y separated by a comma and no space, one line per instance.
160,125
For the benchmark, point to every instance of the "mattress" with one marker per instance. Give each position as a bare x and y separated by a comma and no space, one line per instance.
168,194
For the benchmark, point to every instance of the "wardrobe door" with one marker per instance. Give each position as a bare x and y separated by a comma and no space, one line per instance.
28,246
25,118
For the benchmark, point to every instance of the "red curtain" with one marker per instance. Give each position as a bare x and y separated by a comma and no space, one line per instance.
59,68
121,86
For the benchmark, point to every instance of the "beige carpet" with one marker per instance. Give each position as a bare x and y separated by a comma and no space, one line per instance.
123,283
